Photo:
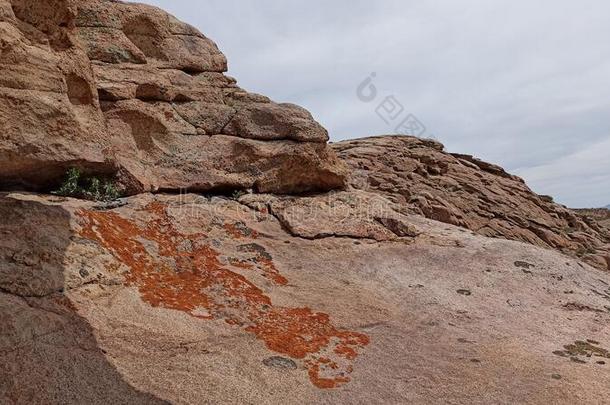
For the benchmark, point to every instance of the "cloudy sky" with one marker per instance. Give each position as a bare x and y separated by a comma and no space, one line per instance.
524,84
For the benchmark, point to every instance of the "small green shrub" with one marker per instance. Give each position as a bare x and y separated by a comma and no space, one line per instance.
93,192
237,194
111,191
90,188
70,184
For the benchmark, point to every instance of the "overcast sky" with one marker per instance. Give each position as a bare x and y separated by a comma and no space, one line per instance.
524,84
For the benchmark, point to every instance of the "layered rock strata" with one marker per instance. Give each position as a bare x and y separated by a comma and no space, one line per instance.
127,90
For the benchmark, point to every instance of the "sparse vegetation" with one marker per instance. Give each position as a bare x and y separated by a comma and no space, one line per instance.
237,194
90,188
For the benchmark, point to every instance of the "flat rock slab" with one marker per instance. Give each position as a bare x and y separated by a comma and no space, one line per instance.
186,299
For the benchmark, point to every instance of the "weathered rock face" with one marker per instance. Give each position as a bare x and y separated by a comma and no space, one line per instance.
49,115
599,215
186,299
467,192
127,89
357,215
349,296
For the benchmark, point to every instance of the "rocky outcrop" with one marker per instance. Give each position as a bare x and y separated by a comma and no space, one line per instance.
127,90
49,113
464,191
600,216
187,299
357,215
391,290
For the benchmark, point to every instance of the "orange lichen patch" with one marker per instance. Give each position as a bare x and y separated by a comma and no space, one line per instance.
322,365
264,261
271,272
239,230
183,272
346,351
298,332
232,321
241,264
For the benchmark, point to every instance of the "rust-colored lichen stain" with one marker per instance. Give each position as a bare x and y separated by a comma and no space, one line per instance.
184,272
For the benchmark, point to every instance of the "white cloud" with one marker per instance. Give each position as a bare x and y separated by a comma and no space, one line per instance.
521,84
586,171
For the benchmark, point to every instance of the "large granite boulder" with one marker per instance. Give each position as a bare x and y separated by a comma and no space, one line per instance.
127,90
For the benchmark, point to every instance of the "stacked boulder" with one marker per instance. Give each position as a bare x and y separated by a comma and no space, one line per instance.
127,90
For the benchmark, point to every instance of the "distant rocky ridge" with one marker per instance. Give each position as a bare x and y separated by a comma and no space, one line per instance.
461,190
127,90
599,215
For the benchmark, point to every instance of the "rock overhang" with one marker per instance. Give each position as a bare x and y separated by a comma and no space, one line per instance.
127,88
